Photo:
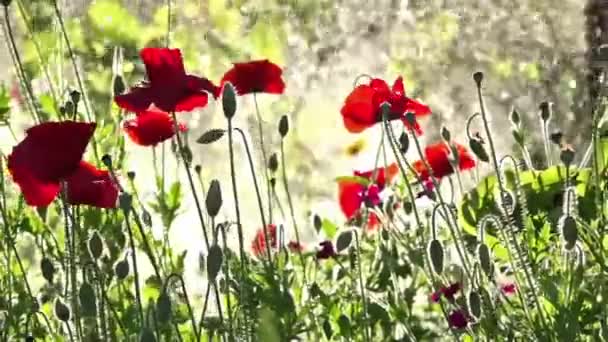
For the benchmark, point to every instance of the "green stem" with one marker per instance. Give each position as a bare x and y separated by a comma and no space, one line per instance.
264,156
235,194
135,270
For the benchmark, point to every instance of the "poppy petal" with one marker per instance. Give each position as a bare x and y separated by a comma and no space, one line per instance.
358,111
191,101
138,99
37,193
52,150
398,88
260,76
195,84
163,66
91,186
150,128
417,108
349,196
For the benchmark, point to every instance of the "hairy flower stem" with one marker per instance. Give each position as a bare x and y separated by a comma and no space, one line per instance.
186,164
79,81
237,209
362,287
227,275
204,312
291,209
19,67
264,156
70,242
135,269
502,188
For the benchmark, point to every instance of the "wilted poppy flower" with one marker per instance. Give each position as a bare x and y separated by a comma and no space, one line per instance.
449,292
258,246
151,127
458,319
327,250
261,76
437,157
352,194
168,87
91,186
49,154
362,107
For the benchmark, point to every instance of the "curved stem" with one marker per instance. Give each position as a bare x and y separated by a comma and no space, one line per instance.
235,194
183,286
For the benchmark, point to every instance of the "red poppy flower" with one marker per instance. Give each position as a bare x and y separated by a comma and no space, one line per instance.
50,153
352,194
168,87
508,289
437,157
362,107
449,292
327,250
151,127
458,319
258,246
91,186
260,76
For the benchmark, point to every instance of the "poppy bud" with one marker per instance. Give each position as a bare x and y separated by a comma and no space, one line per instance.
131,175
479,150
213,202
75,96
48,269
545,111
163,307
474,304
197,168
478,78
121,269
187,154
229,100
273,182
6,3
283,126
95,245
107,160
215,259
317,222
445,134
146,218
485,261
515,118
62,312
125,201
567,155
118,85
62,110
404,141
88,304
410,118
569,231
273,163
435,250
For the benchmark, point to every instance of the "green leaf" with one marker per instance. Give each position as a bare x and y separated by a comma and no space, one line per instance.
355,179
268,327
329,228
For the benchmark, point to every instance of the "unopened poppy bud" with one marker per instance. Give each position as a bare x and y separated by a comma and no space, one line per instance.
118,85
317,222
131,175
404,141
556,137
6,3
273,162
229,100
125,201
273,182
75,96
163,307
62,110
478,78
567,155
410,118
569,230
48,269
88,303
474,304
187,154
515,117
121,269
445,134
545,111
107,160
479,150
198,168
485,260
283,126
435,251
95,245
213,202
62,311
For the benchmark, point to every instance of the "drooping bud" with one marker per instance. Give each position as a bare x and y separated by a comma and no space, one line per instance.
75,96
118,85
106,159
121,269
569,230
445,134
485,259
478,78
404,142
478,149
474,304
125,201
515,117
163,307
213,202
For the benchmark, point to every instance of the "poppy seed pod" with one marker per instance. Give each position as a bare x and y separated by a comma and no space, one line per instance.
163,307
569,231
478,149
48,269
121,269
106,159
556,137
478,78
62,311
75,96
445,134
436,254
131,175
125,201
273,163
283,126
567,155
404,142
229,100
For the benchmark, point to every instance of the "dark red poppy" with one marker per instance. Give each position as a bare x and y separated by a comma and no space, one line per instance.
50,153
326,251
362,107
261,76
449,292
258,246
352,195
458,319
508,289
91,186
168,87
151,127
437,157
295,247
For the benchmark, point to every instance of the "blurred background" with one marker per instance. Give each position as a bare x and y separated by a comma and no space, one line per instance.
530,51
